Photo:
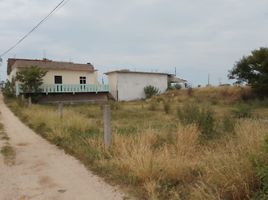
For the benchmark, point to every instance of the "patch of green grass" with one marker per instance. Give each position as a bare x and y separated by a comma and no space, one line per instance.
203,117
242,110
9,154
3,135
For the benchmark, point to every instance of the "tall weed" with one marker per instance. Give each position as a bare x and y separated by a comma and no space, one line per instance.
203,117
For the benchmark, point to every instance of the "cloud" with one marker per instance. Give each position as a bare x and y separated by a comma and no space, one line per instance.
197,37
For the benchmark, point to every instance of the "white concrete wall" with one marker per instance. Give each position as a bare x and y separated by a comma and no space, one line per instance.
68,77
12,74
112,78
131,85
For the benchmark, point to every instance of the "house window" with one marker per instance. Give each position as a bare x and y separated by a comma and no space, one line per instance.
83,80
58,79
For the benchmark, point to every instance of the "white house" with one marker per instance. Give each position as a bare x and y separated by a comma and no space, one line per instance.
63,80
126,85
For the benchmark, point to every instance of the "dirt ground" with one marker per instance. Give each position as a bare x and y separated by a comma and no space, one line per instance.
41,171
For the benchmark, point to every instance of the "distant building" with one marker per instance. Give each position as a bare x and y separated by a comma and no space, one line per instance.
126,85
64,81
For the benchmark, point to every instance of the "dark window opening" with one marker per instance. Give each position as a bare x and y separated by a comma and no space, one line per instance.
58,79
83,80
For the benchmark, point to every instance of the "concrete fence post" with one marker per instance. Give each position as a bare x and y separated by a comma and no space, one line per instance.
60,109
107,126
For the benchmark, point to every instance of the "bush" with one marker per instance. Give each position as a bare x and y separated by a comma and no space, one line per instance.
151,91
9,89
177,86
242,111
202,117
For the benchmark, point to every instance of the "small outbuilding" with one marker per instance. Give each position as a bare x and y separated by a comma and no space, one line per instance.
126,85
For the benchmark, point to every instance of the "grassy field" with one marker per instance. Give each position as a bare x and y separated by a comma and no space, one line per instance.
187,144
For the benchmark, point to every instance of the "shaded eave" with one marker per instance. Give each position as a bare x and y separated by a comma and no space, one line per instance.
135,72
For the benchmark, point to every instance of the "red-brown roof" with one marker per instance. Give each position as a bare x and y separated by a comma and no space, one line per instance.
47,64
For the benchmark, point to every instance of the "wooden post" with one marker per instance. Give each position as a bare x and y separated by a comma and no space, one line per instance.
107,126
60,109
29,101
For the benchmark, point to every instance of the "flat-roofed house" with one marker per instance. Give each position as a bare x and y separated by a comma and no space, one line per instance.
126,85
64,81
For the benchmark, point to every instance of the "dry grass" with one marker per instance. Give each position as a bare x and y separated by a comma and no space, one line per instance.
152,153
211,94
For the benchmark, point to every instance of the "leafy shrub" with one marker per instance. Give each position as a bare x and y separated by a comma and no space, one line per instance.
242,111
177,86
174,87
202,117
151,91
9,89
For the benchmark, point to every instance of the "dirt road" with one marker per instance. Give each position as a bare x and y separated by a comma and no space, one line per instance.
43,172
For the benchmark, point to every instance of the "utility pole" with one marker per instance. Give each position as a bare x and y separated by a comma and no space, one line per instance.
175,71
208,79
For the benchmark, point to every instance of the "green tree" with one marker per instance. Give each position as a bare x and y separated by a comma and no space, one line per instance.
9,88
31,79
253,69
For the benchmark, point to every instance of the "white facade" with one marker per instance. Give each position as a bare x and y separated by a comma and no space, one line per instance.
127,86
68,77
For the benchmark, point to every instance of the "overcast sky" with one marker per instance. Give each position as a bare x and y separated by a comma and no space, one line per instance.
195,36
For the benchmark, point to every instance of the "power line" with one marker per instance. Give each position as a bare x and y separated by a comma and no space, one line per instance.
60,5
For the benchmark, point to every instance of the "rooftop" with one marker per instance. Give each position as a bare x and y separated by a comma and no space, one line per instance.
126,71
172,77
47,64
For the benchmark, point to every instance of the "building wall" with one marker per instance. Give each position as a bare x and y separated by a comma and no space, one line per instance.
113,84
131,85
74,98
12,74
68,77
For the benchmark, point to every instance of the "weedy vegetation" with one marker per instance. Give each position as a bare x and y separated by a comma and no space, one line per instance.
197,144
6,150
